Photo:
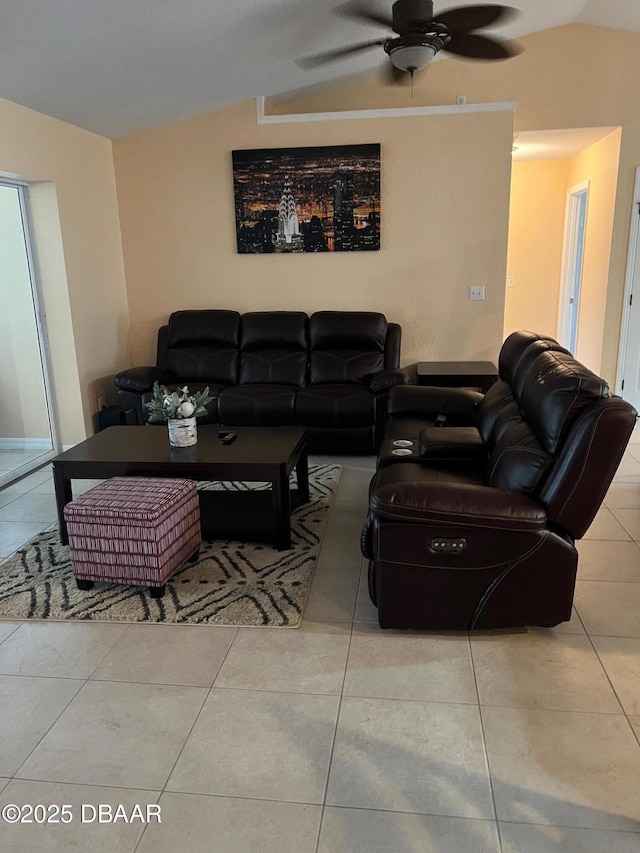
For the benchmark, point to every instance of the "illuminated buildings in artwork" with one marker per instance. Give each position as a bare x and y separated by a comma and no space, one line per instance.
314,199
289,238
313,235
343,213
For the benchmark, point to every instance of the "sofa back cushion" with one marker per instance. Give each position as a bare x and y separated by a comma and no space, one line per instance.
528,435
511,352
494,402
583,470
555,391
346,346
202,346
273,348
518,462
524,367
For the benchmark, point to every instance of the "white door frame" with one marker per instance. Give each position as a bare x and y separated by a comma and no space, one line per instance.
569,260
634,237
22,188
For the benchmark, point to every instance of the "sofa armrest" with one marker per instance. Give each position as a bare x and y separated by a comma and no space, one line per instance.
459,504
451,444
140,379
384,380
429,401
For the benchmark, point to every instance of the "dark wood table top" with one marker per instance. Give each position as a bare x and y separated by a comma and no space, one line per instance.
457,368
120,445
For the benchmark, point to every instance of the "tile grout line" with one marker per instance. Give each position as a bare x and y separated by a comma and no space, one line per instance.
335,734
615,692
83,784
189,733
72,699
339,708
485,748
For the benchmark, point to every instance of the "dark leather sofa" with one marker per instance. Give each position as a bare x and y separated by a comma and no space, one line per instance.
476,526
330,372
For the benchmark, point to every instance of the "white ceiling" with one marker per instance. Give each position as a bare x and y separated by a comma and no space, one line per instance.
118,66
556,144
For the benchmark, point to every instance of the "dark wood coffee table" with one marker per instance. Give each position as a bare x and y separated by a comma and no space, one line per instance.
259,454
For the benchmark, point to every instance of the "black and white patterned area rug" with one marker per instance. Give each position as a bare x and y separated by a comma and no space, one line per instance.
232,583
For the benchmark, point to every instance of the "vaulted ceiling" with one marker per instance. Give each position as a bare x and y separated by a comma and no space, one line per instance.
118,66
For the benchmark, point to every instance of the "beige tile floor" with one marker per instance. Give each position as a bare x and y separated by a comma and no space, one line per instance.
338,737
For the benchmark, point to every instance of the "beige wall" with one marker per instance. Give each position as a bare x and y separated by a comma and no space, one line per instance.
536,235
80,255
536,224
572,76
598,165
445,192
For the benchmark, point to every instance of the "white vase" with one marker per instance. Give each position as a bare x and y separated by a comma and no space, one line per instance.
183,432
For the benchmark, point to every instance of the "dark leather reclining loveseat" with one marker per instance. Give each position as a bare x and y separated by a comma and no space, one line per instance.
475,526
330,373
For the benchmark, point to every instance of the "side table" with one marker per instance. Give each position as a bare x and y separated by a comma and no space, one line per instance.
457,374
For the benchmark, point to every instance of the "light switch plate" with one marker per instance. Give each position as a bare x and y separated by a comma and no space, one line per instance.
476,293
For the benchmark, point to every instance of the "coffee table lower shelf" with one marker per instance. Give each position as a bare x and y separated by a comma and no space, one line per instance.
244,515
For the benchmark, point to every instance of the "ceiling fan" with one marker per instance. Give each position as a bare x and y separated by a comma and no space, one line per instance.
420,34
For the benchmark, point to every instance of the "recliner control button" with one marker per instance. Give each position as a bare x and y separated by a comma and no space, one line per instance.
448,546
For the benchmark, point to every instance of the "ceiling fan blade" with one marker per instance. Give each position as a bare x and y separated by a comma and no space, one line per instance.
361,12
480,47
339,53
467,18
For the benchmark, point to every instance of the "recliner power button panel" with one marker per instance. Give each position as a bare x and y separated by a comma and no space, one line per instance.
448,546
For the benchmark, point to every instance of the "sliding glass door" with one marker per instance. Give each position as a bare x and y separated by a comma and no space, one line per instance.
28,432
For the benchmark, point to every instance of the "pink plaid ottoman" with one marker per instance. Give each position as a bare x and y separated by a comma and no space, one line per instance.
133,530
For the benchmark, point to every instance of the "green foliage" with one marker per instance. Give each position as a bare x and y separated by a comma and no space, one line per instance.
166,405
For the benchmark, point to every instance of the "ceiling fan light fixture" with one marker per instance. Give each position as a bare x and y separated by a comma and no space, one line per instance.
412,58
413,53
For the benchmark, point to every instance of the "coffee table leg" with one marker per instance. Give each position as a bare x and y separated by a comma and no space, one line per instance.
302,477
281,509
64,496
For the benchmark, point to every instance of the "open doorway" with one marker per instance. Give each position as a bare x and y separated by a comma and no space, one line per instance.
547,166
575,226
628,379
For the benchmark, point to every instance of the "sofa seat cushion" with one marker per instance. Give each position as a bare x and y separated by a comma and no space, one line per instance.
422,493
258,405
335,406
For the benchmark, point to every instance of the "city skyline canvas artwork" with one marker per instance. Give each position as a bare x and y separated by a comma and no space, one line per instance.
313,199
